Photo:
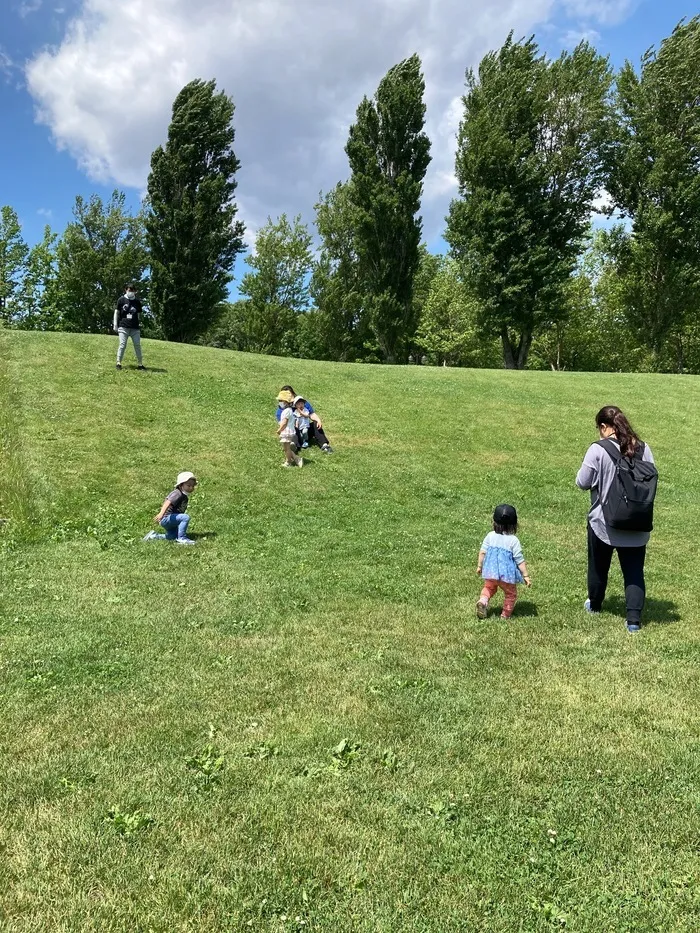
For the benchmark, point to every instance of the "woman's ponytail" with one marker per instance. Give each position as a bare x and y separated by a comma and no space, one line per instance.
615,418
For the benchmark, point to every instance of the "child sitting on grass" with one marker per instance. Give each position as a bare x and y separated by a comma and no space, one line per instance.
172,515
501,562
302,418
287,430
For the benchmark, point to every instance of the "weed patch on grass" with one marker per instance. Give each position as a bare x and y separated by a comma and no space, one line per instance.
128,823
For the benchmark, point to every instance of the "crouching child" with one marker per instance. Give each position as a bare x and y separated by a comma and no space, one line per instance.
173,516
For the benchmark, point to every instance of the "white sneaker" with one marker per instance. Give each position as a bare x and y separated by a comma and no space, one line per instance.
587,607
300,462
286,463
185,541
153,536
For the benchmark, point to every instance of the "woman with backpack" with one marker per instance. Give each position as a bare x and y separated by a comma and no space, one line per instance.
620,473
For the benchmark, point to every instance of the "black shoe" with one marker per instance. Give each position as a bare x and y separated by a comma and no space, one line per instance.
141,367
119,365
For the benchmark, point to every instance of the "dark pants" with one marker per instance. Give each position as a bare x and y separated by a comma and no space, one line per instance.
315,434
632,565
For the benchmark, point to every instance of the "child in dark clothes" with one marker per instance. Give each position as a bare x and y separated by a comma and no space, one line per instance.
172,516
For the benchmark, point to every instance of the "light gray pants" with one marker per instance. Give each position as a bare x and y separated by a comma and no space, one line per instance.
124,334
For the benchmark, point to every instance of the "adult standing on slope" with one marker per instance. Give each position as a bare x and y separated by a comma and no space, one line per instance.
127,323
598,473
316,432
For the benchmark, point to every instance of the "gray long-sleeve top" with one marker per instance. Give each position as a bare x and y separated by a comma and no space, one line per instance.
597,473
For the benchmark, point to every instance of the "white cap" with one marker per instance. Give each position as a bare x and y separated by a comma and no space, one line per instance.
183,477
299,398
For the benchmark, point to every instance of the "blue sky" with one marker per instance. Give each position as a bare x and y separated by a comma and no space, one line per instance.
86,86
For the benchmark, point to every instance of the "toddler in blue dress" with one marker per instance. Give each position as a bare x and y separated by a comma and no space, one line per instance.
501,562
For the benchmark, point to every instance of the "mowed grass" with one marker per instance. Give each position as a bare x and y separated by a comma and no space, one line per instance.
300,724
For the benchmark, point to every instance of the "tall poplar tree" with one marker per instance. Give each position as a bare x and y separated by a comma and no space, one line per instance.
389,153
193,234
529,166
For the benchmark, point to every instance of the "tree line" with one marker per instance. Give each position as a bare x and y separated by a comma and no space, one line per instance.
526,279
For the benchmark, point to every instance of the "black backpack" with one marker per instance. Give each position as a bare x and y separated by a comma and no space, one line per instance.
630,502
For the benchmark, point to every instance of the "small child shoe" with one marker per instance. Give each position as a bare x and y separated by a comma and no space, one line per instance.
482,610
286,463
300,462
153,536
305,444
185,541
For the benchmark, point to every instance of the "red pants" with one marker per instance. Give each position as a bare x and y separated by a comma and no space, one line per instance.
510,594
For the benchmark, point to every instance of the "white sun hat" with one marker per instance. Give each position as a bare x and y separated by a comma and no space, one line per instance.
184,477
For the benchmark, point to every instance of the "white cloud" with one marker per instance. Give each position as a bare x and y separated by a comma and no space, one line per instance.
572,37
29,6
602,202
7,66
45,212
604,12
296,71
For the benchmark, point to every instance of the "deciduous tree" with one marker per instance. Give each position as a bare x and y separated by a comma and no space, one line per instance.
529,166
34,305
655,181
13,258
336,287
100,250
277,288
448,329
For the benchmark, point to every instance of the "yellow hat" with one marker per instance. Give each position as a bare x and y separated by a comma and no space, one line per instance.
285,397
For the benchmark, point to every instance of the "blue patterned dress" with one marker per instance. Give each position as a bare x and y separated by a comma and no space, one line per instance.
503,554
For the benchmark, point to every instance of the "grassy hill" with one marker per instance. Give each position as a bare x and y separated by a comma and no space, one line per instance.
300,724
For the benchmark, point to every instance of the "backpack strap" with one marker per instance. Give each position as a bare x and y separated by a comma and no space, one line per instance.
616,454
610,448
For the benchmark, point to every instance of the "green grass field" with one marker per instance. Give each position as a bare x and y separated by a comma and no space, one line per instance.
300,724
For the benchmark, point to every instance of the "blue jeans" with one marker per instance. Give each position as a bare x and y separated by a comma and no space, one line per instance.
175,525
